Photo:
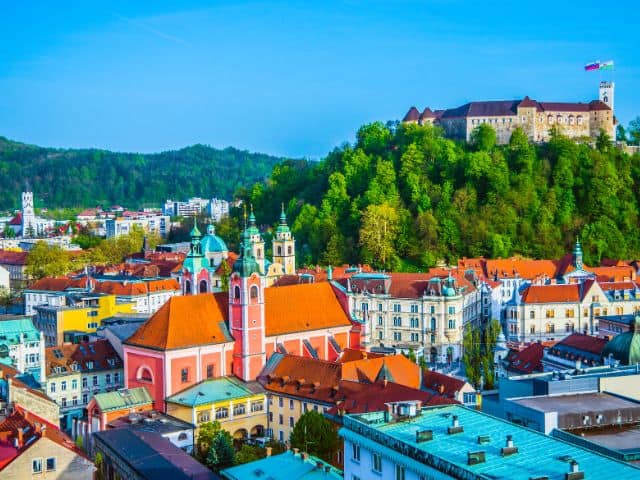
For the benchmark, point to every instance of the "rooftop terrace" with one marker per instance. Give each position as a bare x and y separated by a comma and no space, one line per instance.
476,449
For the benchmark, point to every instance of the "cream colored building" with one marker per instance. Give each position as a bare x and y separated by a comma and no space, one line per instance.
423,312
537,119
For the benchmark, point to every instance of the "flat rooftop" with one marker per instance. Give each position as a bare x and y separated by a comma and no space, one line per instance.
538,455
151,422
576,403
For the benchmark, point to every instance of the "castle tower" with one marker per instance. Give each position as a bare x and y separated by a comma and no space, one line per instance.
284,246
606,93
28,215
256,242
246,312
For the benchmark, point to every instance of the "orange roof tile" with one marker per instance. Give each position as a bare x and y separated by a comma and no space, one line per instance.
439,382
351,354
524,268
304,307
397,368
551,293
185,321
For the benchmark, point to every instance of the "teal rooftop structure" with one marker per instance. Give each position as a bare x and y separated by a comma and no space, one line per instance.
457,442
215,390
286,466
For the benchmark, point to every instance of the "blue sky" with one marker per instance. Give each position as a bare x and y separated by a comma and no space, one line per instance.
290,78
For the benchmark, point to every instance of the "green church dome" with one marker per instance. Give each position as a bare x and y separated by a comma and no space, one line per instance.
625,347
212,243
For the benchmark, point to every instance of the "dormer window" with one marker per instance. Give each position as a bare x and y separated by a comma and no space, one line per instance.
90,365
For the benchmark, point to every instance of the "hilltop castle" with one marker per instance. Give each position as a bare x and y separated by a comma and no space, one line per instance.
535,118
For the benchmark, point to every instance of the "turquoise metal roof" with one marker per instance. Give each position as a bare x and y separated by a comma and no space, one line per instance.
286,466
211,391
123,398
10,331
538,455
212,243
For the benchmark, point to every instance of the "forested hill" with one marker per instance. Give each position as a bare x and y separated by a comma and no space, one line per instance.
406,197
88,177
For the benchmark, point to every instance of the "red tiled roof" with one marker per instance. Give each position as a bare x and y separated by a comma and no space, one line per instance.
185,321
528,360
412,115
397,368
441,383
585,343
17,220
351,354
230,261
354,397
606,286
98,352
32,427
527,103
133,288
304,307
427,113
58,284
551,293
7,257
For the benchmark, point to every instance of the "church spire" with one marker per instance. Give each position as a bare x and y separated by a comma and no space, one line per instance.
577,255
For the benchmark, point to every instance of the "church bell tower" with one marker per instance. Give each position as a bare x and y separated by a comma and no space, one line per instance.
246,311
284,246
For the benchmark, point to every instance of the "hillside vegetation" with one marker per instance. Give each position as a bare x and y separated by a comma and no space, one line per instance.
405,197
87,177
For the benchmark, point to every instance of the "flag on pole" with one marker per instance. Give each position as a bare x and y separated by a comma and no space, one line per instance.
592,66
608,65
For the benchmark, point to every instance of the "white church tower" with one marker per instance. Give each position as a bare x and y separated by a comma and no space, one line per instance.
28,215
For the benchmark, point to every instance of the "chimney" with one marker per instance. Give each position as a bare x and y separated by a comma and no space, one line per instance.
509,449
574,472
269,449
455,426
509,441
319,464
455,421
575,467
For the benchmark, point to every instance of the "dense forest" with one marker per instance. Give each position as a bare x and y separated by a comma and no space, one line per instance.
404,197
86,178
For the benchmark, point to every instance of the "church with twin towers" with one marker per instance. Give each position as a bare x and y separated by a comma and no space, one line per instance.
209,261
537,119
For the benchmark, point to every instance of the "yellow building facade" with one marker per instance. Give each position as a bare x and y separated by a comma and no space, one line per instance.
240,407
85,315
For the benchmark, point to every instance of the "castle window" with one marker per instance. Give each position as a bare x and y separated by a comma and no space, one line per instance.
279,250
579,119
559,119
289,251
524,118
236,293
570,119
550,119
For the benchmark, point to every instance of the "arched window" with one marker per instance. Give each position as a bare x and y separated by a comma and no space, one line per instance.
187,287
570,119
144,374
279,250
559,118
236,293
433,323
203,286
259,253
550,119
579,119
254,292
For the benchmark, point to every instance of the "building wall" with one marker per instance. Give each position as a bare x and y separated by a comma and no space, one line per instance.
250,421
69,465
4,279
362,469
284,412
625,386
134,361
46,409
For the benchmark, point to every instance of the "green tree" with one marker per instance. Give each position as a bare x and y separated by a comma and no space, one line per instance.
479,345
247,454
483,137
621,133
8,231
206,434
224,454
6,299
315,435
46,260
378,234
634,131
